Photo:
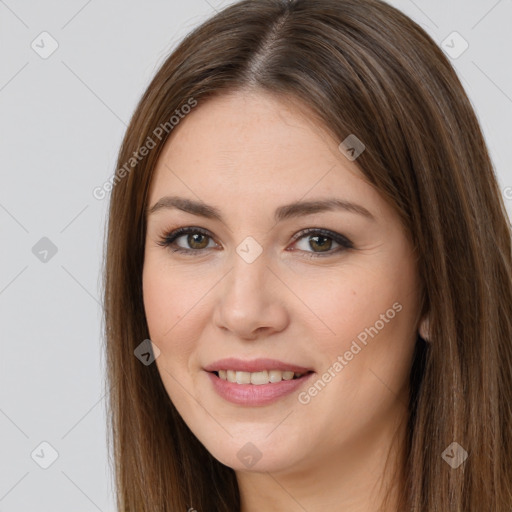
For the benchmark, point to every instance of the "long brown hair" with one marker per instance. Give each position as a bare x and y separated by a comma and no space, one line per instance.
363,68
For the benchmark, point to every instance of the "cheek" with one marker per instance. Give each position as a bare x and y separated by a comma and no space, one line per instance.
352,302
158,303
372,312
165,310
169,297
377,328
174,301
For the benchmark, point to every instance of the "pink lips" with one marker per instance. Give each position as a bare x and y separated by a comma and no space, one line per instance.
256,365
252,395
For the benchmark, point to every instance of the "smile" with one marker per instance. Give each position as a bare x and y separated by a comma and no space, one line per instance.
257,378
241,391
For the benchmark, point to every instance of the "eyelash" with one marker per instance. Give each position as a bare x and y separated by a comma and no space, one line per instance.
169,239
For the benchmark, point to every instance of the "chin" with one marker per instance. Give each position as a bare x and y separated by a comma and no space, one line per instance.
259,457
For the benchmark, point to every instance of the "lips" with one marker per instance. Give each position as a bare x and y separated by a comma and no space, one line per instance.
249,388
255,365
250,395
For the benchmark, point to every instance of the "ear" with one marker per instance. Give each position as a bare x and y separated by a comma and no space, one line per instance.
424,328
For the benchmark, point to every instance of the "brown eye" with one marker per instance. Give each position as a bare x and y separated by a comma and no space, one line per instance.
319,242
195,240
323,243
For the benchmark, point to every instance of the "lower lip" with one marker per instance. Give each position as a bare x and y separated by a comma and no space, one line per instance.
254,395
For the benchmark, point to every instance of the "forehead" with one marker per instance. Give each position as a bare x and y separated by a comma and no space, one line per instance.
253,140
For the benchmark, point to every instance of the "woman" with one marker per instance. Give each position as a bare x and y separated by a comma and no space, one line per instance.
306,224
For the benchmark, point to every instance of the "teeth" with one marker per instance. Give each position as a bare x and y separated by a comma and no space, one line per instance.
275,376
243,378
257,378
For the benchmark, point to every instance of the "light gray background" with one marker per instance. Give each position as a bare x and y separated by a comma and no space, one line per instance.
61,122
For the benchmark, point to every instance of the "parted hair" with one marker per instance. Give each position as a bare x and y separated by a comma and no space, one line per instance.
363,68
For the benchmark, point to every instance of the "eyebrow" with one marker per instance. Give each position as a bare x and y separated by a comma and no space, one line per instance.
295,209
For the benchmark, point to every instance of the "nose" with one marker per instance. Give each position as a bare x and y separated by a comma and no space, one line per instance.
252,300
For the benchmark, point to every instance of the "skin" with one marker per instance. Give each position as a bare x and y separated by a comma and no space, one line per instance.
247,153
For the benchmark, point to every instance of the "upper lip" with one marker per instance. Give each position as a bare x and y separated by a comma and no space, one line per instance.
254,365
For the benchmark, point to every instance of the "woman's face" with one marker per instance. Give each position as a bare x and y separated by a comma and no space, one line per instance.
340,304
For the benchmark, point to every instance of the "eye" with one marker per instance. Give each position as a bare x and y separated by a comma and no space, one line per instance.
193,236
321,241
